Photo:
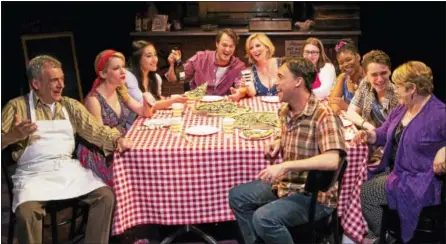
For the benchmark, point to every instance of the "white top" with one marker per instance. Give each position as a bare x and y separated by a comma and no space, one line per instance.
219,73
327,76
132,85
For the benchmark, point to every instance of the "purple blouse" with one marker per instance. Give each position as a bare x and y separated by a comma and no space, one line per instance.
412,184
201,68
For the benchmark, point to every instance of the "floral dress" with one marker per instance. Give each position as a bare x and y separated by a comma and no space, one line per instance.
91,156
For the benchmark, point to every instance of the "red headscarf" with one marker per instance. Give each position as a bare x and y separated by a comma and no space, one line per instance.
106,55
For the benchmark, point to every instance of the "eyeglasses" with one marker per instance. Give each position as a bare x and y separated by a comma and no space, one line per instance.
311,53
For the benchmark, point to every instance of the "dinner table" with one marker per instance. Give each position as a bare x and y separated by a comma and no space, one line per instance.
171,178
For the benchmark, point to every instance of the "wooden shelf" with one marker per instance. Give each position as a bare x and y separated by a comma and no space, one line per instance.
244,32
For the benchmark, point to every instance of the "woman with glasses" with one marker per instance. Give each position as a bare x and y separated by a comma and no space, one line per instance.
313,50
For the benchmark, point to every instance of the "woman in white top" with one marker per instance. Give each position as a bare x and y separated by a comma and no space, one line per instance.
313,50
142,81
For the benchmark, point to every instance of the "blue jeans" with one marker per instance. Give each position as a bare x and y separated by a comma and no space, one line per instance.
263,217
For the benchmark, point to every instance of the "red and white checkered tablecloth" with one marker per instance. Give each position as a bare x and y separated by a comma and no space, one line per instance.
165,180
349,207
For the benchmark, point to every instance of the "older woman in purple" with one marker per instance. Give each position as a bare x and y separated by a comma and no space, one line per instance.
413,134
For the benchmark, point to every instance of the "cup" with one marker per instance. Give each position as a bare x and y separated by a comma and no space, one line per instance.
248,76
228,127
177,109
191,102
176,125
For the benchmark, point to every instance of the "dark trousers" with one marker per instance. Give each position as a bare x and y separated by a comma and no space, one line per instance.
102,201
373,195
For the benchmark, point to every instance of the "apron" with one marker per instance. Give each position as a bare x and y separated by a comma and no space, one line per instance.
46,170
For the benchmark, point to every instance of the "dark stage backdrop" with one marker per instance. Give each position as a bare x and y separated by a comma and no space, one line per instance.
415,31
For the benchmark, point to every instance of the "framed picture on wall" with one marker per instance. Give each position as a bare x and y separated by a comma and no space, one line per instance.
60,46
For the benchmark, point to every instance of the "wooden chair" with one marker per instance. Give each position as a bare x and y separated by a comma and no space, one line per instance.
52,208
431,226
326,229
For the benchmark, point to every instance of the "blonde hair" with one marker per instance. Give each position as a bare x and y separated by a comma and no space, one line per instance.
115,55
323,59
417,73
122,89
262,39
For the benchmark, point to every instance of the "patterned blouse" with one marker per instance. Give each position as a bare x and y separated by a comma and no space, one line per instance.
262,90
365,98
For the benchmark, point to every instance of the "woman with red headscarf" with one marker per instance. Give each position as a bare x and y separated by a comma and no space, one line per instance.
110,103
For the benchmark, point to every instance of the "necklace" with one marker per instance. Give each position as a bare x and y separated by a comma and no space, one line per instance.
270,85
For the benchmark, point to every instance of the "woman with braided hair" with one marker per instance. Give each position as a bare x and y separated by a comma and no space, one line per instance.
348,81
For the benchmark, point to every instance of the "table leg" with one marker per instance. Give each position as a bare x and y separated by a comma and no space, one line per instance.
189,228
209,239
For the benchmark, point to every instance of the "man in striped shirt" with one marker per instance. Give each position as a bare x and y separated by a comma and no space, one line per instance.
40,128
310,139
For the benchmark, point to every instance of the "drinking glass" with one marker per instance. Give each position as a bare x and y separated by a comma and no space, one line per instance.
177,109
176,125
228,127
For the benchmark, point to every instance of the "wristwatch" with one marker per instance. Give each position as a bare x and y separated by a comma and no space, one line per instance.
362,124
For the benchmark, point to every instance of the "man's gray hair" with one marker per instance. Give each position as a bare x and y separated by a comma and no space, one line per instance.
36,65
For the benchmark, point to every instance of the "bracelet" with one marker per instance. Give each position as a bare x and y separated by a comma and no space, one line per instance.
362,124
115,143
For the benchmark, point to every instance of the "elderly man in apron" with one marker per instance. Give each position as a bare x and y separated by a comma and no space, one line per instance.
41,127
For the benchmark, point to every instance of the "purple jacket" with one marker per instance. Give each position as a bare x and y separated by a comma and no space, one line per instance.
412,184
201,68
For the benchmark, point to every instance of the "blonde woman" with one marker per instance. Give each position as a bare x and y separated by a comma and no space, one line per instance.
109,102
264,68
313,50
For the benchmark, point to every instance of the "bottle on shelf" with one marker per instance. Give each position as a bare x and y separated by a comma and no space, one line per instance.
179,68
145,22
138,22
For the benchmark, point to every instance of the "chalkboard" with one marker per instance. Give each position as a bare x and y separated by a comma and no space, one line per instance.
60,46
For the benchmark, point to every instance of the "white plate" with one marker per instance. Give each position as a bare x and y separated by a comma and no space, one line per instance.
247,138
153,123
345,122
202,130
349,135
212,98
270,99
